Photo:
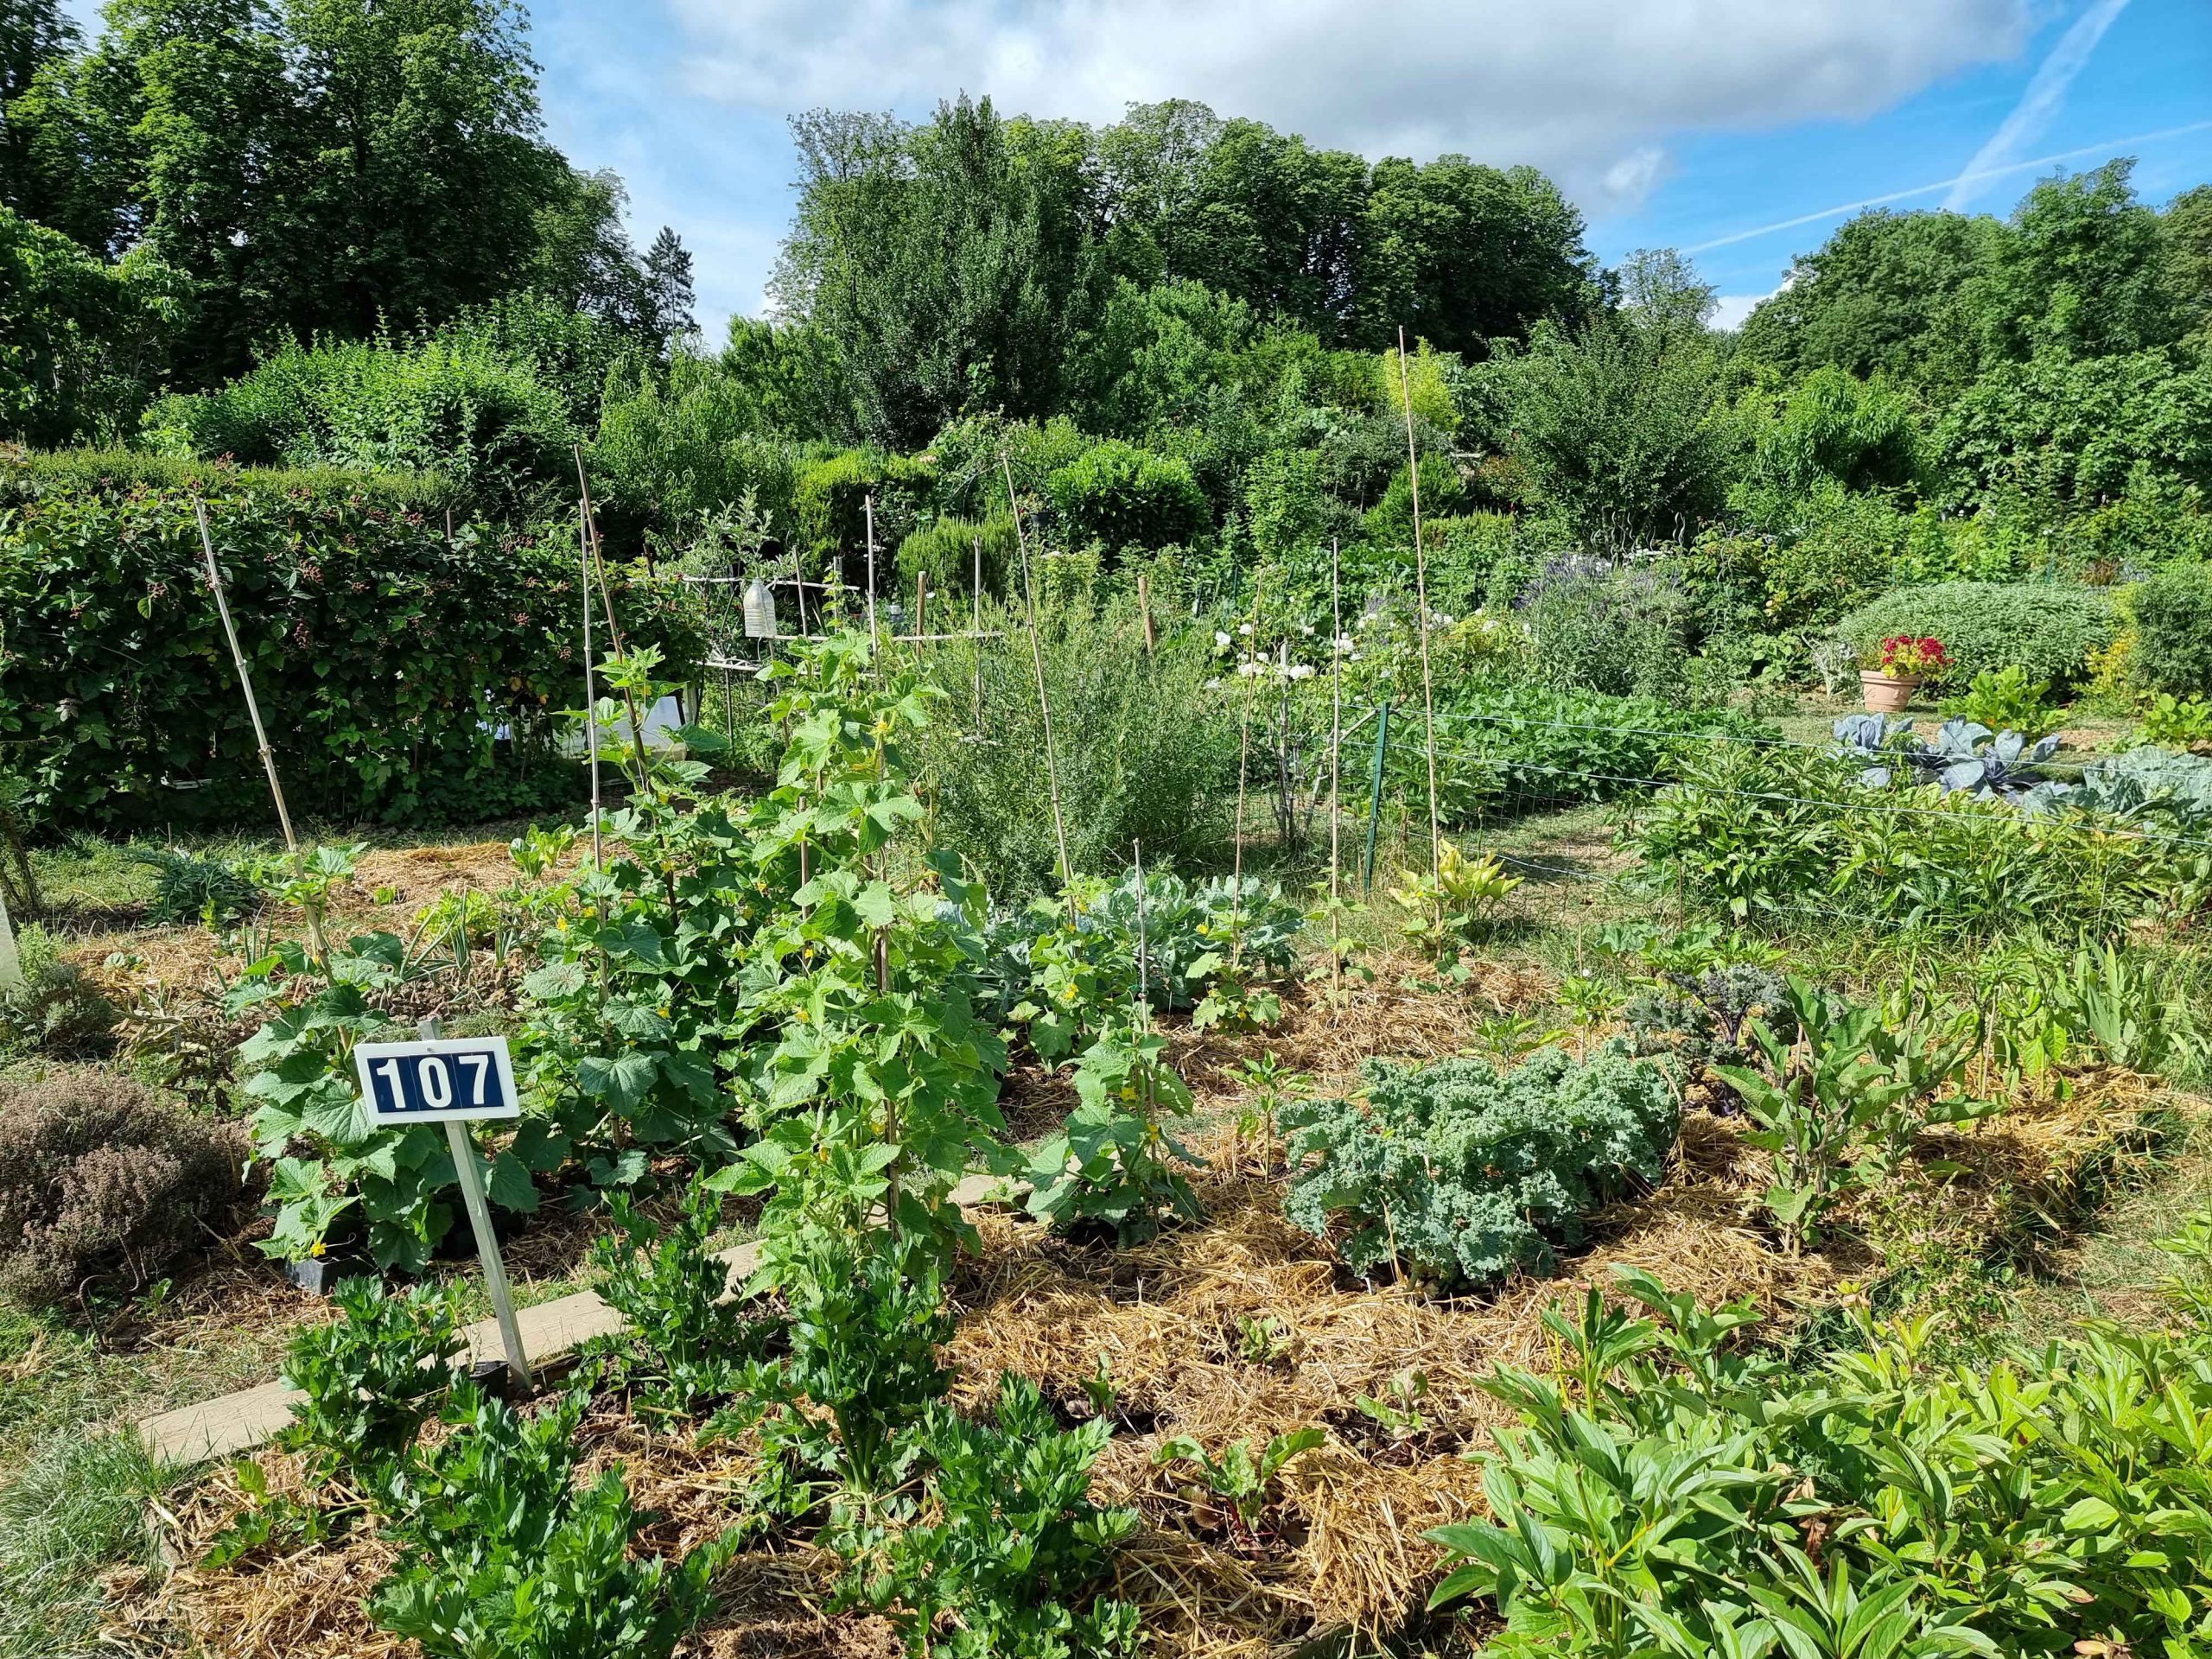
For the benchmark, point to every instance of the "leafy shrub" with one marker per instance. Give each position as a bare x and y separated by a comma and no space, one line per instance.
1593,626
1139,740
501,1553
945,551
102,1181
1244,1475
2046,629
1701,1019
386,659
675,445
1769,834
456,405
1121,496
2006,700
1017,1539
56,1010
1464,1174
2172,615
1686,1481
86,339
2175,722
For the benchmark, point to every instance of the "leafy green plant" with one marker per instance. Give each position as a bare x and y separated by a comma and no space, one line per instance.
1397,1411
195,887
501,1553
1673,1497
2175,722
1017,1549
371,1379
2172,648
1272,1086
685,1339
1459,1174
2006,700
1701,1020
1261,1339
2045,629
1838,1106
1244,1475
1450,908
1113,1162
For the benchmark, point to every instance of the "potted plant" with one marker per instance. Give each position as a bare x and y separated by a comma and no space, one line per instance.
1904,662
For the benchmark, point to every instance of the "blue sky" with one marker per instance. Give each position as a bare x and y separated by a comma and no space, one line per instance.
1671,122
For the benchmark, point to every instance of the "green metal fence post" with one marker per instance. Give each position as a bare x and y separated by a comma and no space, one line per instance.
1374,795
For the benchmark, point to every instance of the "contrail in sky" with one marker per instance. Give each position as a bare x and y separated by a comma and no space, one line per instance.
2041,101
2106,148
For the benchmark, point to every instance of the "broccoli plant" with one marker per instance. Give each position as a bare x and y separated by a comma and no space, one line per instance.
1459,1173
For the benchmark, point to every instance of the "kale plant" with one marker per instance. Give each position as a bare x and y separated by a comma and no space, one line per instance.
1700,1018
1462,1174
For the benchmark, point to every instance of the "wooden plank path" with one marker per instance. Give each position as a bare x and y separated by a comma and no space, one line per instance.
238,1422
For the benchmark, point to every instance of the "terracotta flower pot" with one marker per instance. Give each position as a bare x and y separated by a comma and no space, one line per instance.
1886,694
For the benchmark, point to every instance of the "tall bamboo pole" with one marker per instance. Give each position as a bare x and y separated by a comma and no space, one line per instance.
1044,702
591,696
1243,757
1420,588
1336,751
614,626
253,710
874,641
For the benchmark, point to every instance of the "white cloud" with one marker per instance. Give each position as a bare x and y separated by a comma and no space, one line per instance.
1729,310
1584,88
2041,101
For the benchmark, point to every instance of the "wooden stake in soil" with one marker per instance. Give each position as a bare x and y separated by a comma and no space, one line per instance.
591,697
11,961
921,606
1336,753
1421,593
875,640
1044,702
613,627
1243,756
253,709
977,595
1144,610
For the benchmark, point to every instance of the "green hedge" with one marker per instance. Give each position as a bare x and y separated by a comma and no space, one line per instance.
2047,628
385,660
830,502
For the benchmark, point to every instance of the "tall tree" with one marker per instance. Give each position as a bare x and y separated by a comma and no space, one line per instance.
1461,254
2081,271
666,289
33,35
948,264
2187,225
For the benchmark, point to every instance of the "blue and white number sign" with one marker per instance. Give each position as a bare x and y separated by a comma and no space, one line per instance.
436,1080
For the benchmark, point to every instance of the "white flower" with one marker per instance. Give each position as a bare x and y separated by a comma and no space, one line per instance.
1302,671
1305,628
1247,668
1214,684
1345,643
1220,639
1243,628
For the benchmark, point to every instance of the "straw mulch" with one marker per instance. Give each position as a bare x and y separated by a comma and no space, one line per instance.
1342,1550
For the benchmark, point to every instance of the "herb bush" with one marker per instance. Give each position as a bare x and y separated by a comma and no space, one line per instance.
384,658
102,1182
54,1010
1118,496
1462,1174
945,551
1595,626
830,502
2048,629
2172,617
1676,1499
1140,740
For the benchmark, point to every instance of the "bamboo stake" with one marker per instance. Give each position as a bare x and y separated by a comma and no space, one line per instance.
11,961
1144,610
976,593
253,709
874,641
1243,756
591,697
1336,755
1044,702
614,626
1421,590
921,606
